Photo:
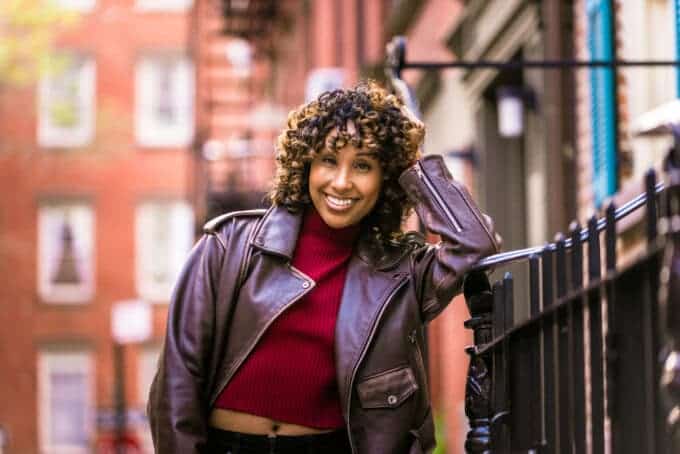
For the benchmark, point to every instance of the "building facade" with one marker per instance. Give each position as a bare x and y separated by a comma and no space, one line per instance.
613,105
97,210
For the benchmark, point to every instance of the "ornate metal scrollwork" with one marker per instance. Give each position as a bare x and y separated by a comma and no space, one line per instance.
478,387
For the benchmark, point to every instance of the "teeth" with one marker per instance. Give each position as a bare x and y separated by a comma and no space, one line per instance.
339,202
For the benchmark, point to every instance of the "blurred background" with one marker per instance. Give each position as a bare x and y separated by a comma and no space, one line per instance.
126,124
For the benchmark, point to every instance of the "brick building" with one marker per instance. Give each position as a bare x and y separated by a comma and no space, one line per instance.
97,176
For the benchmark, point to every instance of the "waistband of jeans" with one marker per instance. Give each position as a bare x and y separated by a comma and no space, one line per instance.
326,438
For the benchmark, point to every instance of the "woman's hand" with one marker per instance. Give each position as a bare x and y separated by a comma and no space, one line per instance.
488,220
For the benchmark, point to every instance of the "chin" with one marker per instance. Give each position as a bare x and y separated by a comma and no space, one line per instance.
335,222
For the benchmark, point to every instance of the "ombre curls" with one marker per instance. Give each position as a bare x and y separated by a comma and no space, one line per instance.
382,125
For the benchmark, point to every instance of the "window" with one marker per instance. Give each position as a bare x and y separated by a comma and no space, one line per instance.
66,103
164,101
65,252
164,236
163,5
76,5
65,380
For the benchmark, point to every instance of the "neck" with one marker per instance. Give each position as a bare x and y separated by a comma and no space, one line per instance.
314,225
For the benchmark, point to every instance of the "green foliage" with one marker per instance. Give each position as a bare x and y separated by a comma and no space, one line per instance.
439,433
64,114
27,32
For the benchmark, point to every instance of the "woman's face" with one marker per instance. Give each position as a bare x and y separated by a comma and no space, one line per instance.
344,186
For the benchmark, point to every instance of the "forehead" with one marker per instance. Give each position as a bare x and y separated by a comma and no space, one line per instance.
352,151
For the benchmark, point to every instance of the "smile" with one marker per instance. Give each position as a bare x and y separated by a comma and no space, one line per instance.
339,203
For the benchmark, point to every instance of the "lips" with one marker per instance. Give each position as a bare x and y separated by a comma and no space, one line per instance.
339,203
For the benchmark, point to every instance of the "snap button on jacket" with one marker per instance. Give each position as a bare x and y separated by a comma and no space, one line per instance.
390,293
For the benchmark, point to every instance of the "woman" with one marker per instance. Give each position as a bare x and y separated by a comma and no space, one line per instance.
299,329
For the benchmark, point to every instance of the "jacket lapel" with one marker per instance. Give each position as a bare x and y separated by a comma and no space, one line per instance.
364,297
271,287
278,232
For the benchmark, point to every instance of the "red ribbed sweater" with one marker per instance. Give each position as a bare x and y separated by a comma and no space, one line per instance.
290,375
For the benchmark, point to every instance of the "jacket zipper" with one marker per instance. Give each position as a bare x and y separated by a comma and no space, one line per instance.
419,354
437,197
419,360
361,357
252,345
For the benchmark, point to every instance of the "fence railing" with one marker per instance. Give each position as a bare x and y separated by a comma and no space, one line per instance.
596,366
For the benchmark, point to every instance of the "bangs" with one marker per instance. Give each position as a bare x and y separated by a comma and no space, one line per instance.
366,117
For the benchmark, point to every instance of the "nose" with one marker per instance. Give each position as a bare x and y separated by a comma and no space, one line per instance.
342,180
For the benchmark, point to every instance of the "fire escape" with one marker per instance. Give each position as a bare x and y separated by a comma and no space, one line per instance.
234,145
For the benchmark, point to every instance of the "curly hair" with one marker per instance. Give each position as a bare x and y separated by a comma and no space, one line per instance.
382,125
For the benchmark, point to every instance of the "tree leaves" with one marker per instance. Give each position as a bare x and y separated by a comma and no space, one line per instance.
28,29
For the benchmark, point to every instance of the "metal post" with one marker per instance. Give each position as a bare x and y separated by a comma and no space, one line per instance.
477,390
596,365
564,360
119,398
578,341
550,378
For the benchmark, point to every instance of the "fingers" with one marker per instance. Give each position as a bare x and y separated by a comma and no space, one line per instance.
489,222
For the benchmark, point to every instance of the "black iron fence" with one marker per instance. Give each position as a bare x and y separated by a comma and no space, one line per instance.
596,366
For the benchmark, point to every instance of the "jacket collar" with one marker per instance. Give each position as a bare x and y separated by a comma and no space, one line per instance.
278,232
279,229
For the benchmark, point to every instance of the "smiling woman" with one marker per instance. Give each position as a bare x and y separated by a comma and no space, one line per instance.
298,329
344,184
368,120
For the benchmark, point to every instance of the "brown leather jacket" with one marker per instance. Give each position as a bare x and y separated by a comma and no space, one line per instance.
379,336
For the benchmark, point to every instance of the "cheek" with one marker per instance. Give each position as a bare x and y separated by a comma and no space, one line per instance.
373,191
314,178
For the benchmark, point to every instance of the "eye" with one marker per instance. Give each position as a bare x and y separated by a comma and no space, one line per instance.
363,166
328,159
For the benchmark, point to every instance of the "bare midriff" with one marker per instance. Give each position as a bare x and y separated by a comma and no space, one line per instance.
236,421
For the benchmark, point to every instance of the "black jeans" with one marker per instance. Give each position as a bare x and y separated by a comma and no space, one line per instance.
225,442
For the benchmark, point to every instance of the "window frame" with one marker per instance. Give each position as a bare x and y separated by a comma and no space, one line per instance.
81,6
149,132
62,293
51,135
163,5
64,359
182,212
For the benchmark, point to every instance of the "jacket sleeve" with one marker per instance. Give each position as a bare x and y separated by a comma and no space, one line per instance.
446,208
177,406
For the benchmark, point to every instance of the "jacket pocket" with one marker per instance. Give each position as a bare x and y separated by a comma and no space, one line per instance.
424,441
388,389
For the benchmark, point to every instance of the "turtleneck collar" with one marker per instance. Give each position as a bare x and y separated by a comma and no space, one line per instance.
314,225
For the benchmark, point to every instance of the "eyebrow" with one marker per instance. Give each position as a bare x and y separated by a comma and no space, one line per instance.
370,154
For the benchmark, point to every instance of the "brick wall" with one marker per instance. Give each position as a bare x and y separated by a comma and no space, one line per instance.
113,174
